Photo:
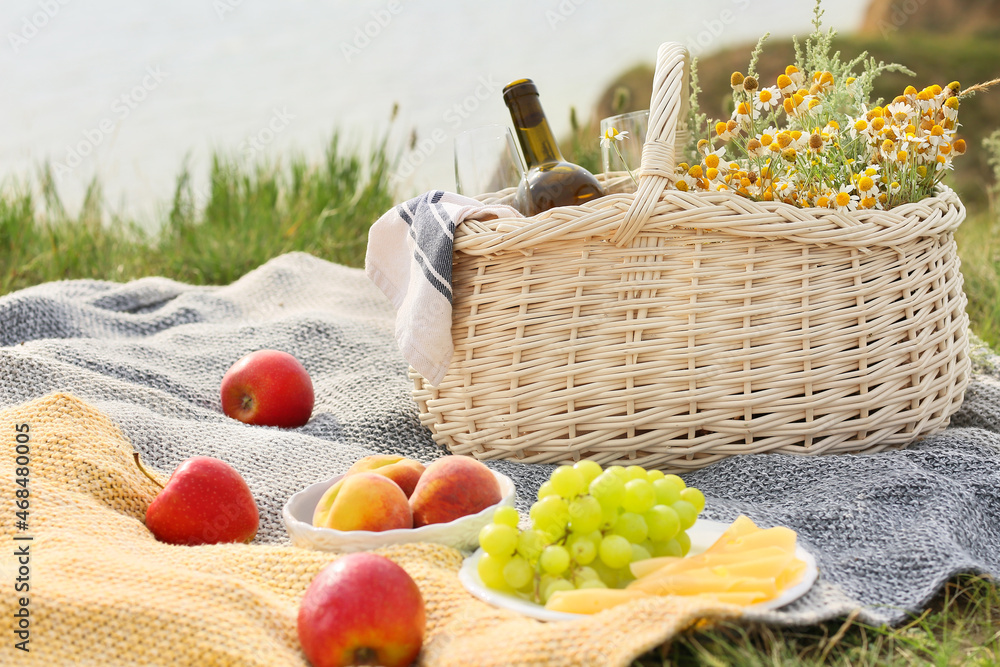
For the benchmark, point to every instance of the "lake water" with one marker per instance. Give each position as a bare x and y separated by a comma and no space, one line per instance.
129,91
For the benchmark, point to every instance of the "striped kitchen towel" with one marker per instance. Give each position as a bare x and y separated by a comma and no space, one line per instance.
409,259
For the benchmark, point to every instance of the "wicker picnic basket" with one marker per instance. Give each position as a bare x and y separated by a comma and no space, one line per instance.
670,329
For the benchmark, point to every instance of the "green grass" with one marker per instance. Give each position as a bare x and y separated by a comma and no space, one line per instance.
960,627
979,249
255,213
252,214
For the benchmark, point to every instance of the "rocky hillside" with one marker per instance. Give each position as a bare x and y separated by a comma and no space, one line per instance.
951,17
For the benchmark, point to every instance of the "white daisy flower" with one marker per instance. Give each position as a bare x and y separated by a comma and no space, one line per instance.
767,98
843,200
611,134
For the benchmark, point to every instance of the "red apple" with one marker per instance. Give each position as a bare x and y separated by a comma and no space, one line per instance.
205,501
452,487
362,609
268,388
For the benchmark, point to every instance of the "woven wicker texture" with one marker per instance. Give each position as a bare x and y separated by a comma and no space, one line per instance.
104,592
672,329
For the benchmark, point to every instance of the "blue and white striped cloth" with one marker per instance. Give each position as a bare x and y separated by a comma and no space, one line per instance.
409,258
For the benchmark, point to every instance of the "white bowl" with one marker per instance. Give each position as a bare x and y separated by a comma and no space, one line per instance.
461,533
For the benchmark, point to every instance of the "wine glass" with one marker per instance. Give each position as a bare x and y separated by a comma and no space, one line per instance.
487,162
624,155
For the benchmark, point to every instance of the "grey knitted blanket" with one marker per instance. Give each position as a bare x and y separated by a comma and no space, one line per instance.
887,529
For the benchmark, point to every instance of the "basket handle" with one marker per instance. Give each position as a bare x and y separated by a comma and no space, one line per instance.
666,134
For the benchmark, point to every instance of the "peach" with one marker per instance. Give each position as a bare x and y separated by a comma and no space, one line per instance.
401,470
363,501
452,487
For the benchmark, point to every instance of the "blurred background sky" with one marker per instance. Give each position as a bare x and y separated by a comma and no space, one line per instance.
128,91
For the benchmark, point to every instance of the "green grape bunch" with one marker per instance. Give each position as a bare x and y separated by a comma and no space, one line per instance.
586,527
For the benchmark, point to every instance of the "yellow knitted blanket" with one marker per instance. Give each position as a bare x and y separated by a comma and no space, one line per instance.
86,584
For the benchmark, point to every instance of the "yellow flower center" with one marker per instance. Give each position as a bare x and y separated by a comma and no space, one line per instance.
712,160
843,198
765,96
861,125
720,128
823,202
937,131
865,183
711,173
695,171
901,156
784,138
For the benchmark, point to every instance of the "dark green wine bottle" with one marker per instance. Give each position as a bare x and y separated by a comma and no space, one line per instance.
551,180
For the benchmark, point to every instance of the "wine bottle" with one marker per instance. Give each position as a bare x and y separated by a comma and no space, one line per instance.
551,180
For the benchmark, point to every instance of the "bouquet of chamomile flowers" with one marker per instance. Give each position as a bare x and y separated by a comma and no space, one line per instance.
812,138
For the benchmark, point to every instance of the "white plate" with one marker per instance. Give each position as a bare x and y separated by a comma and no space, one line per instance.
703,534
462,533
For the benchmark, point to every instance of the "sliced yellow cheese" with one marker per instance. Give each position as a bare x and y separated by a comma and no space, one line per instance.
703,581
792,574
641,568
591,600
738,598
746,565
778,536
